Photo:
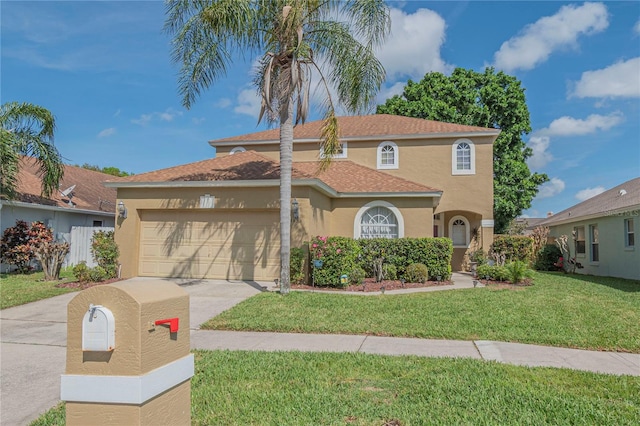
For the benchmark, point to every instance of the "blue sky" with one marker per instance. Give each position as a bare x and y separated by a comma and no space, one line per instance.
104,70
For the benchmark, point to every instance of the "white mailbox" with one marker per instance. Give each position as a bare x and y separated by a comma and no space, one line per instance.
98,329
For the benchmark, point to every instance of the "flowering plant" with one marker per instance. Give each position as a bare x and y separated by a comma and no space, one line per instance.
338,255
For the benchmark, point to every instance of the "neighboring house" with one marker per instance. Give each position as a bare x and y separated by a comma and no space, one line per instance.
394,177
82,201
605,227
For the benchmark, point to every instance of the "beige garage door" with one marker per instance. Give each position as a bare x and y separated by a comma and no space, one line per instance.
210,244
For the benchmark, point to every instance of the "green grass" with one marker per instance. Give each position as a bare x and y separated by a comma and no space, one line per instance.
594,313
293,388
18,289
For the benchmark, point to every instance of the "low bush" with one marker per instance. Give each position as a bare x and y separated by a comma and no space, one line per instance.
513,247
82,272
416,273
493,272
339,255
547,258
389,272
98,274
296,265
518,271
18,243
357,275
105,252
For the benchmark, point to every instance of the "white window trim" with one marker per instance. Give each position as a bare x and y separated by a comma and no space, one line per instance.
237,149
378,203
395,155
340,155
627,232
591,228
454,158
467,230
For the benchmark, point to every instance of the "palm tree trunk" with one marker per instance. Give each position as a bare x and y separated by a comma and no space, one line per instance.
286,148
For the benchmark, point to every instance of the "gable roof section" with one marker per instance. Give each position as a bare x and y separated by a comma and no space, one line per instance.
374,126
89,193
250,169
616,200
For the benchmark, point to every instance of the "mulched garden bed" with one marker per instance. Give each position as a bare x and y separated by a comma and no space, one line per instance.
82,286
370,285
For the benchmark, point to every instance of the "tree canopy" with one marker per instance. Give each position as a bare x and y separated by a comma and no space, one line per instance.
334,39
27,129
109,170
489,99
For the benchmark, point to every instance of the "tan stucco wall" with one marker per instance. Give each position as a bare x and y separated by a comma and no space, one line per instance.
616,260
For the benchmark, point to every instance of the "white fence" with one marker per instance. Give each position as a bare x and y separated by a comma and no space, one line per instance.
80,244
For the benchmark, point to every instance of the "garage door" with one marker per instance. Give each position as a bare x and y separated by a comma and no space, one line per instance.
207,244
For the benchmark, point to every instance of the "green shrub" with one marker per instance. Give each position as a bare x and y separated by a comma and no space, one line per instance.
417,273
339,255
493,272
518,271
296,265
478,256
547,258
105,252
18,243
98,274
435,253
357,275
514,247
81,272
389,272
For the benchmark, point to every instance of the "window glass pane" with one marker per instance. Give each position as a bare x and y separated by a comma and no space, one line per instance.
387,155
379,222
463,156
593,234
580,242
459,233
629,233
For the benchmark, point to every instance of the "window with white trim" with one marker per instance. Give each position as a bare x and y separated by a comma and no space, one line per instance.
378,222
629,234
580,241
342,151
387,155
463,157
237,149
594,241
459,231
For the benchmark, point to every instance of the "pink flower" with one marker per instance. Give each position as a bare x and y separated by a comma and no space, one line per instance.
338,251
314,245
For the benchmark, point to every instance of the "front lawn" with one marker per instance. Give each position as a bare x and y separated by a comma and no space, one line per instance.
18,289
293,388
573,311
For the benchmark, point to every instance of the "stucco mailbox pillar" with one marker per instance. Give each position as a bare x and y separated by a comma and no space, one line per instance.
128,356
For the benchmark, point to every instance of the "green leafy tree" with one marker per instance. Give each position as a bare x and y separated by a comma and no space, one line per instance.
27,129
293,39
113,171
488,99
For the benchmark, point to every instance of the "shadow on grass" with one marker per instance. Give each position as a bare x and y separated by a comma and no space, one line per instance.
630,286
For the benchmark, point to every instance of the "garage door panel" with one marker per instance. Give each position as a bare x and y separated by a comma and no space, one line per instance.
227,245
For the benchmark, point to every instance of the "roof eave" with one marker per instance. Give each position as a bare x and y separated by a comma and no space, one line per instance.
493,132
615,212
55,208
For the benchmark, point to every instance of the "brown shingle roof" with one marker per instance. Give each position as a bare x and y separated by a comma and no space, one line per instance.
626,195
342,176
382,125
89,193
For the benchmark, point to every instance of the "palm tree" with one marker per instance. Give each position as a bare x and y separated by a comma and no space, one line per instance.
27,129
294,38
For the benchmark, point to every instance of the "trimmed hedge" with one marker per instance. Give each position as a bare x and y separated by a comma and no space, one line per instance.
434,253
514,247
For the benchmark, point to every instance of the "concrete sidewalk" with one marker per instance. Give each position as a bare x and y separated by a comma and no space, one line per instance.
508,353
33,344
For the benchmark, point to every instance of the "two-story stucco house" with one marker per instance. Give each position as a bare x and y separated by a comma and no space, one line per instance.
394,177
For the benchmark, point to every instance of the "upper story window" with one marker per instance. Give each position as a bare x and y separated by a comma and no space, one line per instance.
378,219
237,149
342,151
387,155
463,157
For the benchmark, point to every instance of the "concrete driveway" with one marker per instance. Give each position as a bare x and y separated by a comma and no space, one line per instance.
34,339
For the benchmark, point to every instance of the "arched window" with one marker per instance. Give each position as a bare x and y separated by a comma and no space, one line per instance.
459,231
387,155
463,158
237,149
378,219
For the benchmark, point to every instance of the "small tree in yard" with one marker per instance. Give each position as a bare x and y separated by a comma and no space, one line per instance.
105,252
51,256
19,242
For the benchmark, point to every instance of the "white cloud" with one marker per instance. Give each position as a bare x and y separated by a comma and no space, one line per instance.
168,115
537,41
222,103
569,126
540,157
248,103
107,132
636,27
198,120
117,113
388,92
587,193
412,48
551,188
619,80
